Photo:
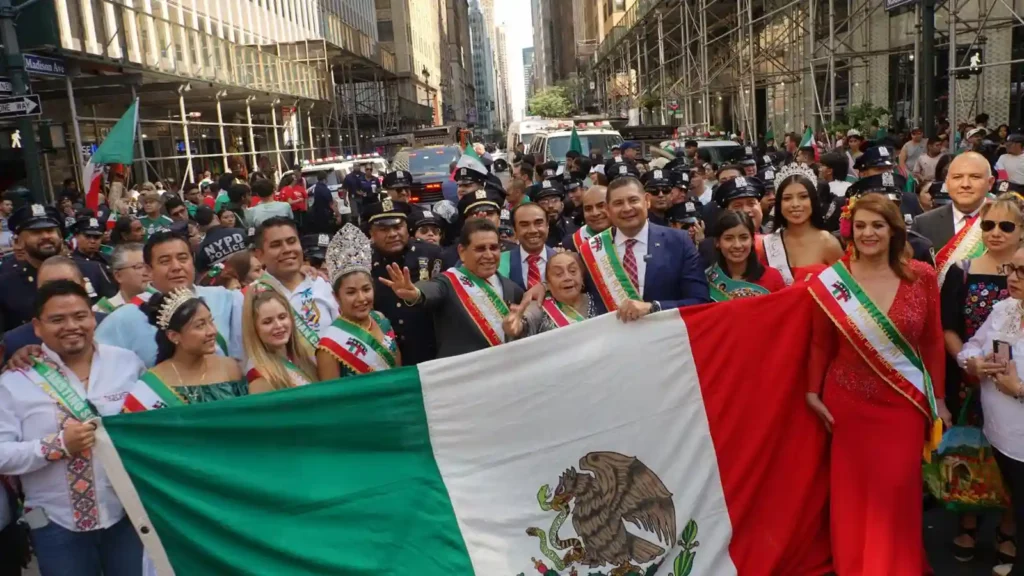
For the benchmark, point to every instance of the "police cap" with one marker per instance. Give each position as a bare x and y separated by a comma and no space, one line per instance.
315,246
387,212
767,177
656,180
940,197
549,169
874,157
621,170
548,188
679,179
426,218
739,187
572,183
90,226
685,212
397,179
481,200
884,183
467,175
1004,186
35,217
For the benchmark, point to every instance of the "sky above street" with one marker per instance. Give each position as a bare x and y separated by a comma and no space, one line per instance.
516,16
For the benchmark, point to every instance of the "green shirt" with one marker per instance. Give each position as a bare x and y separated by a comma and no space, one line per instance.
220,201
152,225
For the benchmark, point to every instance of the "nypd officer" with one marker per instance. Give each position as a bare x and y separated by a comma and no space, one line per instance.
88,240
686,216
484,204
398,185
314,250
39,232
886,185
740,194
550,197
428,227
658,186
877,161
388,226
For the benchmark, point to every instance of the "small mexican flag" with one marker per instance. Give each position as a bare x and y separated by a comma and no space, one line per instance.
470,159
808,140
574,142
117,148
510,461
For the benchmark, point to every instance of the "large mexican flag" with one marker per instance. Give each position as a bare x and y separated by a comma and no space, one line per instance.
677,445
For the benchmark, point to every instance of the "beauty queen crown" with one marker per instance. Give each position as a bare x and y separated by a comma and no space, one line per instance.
174,300
794,169
349,251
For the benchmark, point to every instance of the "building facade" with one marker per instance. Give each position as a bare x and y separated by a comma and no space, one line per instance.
528,59
543,29
483,69
457,75
504,94
412,29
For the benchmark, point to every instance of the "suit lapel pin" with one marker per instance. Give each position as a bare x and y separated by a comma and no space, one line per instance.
656,245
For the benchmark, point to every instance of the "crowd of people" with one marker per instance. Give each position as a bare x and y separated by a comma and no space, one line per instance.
239,286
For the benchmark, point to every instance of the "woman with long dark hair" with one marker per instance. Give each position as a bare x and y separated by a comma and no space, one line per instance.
188,368
737,272
877,348
127,230
800,247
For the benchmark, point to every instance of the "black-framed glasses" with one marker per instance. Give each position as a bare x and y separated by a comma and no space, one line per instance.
660,191
1012,269
1005,226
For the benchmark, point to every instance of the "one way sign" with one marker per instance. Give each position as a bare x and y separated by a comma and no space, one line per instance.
20,106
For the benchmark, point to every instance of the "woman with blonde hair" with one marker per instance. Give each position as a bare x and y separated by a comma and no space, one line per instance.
278,357
877,348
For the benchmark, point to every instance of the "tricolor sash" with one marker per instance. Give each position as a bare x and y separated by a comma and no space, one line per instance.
878,341
485,308
606,270
51,380
724,288
775,253
561,314
270,283
580,237
966,245
104,305
294,372
356,348
151,393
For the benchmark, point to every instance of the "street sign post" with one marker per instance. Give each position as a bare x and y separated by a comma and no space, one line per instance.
5,86
45,66
18,106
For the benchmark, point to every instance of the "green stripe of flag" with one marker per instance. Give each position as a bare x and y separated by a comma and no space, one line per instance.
301,475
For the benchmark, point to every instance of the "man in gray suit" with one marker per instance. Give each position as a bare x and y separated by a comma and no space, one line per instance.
968,181
472,305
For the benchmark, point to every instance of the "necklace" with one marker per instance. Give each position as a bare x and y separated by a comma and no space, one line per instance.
181,381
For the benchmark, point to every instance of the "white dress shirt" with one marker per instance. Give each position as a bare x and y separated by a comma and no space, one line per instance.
1004,415
639,250
28,416
542,265
959,218
314,301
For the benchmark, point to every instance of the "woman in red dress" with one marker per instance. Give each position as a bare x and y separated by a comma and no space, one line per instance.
878,434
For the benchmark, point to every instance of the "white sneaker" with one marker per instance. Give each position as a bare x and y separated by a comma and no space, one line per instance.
1002,569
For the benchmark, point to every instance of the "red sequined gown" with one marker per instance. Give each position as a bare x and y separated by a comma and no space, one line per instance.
877,439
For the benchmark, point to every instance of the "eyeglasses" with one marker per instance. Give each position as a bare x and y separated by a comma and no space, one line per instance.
136,267
990,225
660,191
1013,270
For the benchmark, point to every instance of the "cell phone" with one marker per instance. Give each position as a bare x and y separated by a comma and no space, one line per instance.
35,519
1002,350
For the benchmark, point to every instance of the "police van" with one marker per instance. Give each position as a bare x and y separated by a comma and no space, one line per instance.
332,171
552,144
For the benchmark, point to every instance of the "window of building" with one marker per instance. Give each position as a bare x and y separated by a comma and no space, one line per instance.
1017,79
385,31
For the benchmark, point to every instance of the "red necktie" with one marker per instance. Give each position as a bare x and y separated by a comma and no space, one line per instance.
532,271
629,262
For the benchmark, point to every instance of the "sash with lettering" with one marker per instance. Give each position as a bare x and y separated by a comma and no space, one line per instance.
356,348
148,293
561,314
966,245
724,288
610,278
485,307
48,377
252,373
775,254
151,393
878,341
580,236
268,282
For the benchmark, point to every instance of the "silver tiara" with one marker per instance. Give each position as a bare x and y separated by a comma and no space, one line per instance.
794,169
172,301
349,251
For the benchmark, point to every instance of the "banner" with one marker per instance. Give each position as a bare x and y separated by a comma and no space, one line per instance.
574,452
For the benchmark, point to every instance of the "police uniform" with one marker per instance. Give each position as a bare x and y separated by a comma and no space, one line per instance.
879,157
413,325
686,214
90,226
766,174
427,218
735,189
562,227
314,248
482,200
657,181
571,211
397,180
18,297
885,184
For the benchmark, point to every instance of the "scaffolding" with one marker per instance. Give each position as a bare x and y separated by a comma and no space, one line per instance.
755,66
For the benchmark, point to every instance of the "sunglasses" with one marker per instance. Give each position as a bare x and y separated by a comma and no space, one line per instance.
660,192
1012,270
990,225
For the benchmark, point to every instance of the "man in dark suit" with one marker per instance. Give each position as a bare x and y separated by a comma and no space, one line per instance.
529,259
471,305
968,181
661,264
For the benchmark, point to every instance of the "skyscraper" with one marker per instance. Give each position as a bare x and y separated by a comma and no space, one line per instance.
504,94
528,71
483,68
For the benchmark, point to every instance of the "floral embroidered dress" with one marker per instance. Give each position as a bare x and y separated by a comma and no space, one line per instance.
967,300
152,393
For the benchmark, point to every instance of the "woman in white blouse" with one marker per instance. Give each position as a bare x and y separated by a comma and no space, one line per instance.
1002,390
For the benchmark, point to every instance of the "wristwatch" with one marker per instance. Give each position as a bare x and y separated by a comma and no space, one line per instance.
655,306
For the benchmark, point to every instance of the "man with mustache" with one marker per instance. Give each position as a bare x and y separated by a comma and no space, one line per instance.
40,233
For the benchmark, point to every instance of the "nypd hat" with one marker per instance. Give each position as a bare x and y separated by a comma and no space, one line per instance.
656,180
315,246
685,212
467,175
884,183
35,217
550,187
90,226
874,157
481,200
387,212
427,218
737,188
397,179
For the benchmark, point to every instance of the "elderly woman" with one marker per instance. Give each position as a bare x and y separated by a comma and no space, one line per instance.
989,356
566,303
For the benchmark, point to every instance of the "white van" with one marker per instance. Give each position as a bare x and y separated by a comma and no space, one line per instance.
524,130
